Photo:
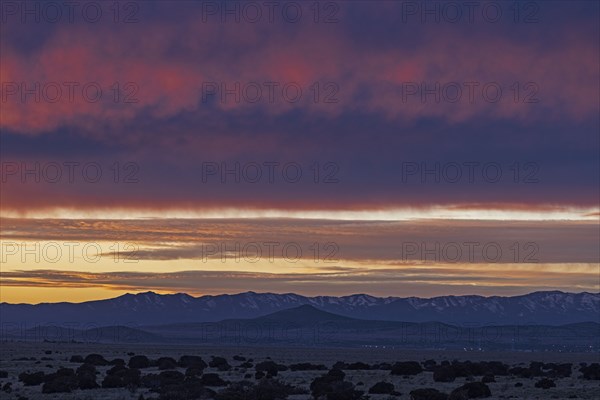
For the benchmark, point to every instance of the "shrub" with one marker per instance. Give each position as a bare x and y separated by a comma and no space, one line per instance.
95,359
171,378
428,394
33,379
212,380
166,363
219,363
60,384
267,389
270,367
119,377
382,388
76,359
139,362
407,368
357,366
192,361
591,371
191,388
444,374
308,367
545,383
472,390
333,387
86,374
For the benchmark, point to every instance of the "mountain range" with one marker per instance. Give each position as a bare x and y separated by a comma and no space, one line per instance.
551,308
307,326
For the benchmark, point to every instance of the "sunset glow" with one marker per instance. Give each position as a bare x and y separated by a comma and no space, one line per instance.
370,144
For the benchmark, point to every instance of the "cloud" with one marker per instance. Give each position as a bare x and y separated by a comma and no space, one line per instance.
408,281
171,59
368,242
367,62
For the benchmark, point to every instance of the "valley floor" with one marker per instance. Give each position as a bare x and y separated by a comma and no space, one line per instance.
18,357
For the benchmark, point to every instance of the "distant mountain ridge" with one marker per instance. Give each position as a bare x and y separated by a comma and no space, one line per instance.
149,308
308,326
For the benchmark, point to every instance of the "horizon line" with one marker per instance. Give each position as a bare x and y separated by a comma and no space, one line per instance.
296,294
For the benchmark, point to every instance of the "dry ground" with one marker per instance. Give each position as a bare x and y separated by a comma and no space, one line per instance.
504,388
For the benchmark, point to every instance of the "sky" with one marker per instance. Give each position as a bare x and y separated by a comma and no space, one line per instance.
323,148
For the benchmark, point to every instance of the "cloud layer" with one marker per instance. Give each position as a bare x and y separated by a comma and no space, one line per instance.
382,91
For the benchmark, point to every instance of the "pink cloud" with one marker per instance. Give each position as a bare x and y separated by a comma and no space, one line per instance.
170,62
